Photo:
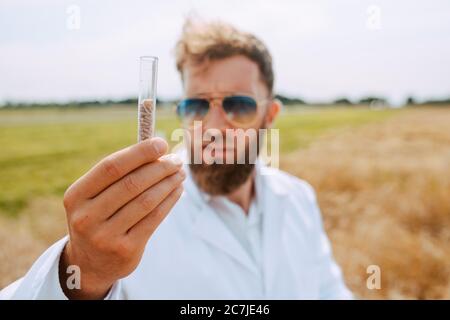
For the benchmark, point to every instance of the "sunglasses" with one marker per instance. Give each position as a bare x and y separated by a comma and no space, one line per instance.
238,110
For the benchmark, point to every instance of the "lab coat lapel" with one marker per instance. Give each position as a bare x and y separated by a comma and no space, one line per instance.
208,226
211,229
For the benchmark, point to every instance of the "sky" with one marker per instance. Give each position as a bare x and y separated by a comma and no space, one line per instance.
57,50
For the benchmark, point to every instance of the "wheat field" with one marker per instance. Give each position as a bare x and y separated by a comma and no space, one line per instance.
382,180
384,191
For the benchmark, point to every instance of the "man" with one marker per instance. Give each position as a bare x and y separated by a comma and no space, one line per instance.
238,231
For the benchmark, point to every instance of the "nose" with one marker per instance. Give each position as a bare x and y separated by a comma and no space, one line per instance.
216,118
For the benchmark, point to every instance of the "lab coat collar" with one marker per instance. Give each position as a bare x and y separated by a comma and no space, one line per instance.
210,228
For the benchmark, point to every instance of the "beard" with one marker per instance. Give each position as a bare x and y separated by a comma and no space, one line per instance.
222,179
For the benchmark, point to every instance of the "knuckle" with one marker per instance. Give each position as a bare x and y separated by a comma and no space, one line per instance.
69,198
123,249
147,202
79,222
158,212
148,150
130,184
110,167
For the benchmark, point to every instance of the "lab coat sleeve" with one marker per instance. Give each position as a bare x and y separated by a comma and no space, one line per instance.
332,285
42,280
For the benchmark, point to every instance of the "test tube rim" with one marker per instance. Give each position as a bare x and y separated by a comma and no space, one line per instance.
148,58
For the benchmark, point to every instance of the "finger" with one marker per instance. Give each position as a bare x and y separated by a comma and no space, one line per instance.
116,166
133,184
142,230
146,202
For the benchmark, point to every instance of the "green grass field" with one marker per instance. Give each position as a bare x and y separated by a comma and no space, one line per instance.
44,151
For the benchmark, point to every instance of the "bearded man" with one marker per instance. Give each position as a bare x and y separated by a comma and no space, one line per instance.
222,225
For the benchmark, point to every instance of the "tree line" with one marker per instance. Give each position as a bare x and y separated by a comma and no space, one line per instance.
286,100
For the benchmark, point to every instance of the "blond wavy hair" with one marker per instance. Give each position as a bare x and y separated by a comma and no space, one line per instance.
208,41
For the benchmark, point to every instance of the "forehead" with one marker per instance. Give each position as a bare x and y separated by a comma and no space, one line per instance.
236,74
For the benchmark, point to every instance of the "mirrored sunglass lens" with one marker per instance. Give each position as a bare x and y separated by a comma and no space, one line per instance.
240,109
193,109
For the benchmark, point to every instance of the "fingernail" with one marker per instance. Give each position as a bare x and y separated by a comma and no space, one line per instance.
175,159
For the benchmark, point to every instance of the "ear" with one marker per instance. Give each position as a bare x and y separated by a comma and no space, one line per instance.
273,109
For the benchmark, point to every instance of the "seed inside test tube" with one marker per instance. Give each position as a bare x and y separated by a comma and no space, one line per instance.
147,97
146,119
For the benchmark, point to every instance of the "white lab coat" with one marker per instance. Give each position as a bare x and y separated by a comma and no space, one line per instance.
192,254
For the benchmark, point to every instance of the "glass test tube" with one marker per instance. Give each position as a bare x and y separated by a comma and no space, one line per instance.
148,71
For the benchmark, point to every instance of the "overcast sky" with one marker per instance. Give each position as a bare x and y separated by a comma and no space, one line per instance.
322,49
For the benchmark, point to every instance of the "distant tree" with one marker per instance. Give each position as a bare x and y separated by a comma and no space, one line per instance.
128,101
410,101
437,102
342,101
289,101
373,100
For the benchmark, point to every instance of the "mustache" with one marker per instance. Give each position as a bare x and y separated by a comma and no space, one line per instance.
227,135
219,145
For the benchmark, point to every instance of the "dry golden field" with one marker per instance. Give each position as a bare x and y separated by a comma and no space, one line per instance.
384,190
383,187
